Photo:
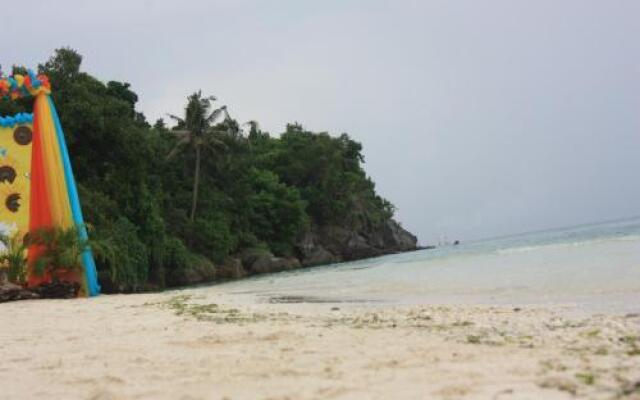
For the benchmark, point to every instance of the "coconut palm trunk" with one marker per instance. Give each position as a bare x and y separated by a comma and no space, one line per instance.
196,183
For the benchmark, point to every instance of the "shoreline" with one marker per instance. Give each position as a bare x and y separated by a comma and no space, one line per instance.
10,292
207,343
235,269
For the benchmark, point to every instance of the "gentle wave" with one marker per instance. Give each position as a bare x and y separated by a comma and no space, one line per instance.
563,245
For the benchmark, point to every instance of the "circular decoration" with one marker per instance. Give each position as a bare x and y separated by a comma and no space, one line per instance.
7,174
22,135
13,202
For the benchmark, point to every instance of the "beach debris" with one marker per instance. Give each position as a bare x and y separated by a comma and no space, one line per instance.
12,292
630,388
473,339
503,392
559,383
58,290
210,312
53,290
586,377
633,344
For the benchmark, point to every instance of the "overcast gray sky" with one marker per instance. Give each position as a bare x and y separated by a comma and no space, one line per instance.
478,118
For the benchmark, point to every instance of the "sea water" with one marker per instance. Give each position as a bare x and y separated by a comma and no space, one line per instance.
594,267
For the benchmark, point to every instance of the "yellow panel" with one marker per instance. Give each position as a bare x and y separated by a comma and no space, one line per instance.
15,166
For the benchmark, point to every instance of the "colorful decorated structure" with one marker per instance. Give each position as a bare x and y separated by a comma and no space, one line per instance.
37,187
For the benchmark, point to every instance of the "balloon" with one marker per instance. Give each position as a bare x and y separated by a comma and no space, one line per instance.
18,85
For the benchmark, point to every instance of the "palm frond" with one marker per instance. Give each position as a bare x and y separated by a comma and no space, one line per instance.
226,114
5,240
180,132
214,142
177,147
213,148
215,114
176,118
62,249
13,257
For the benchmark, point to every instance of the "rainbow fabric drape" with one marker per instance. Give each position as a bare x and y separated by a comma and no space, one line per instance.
53,200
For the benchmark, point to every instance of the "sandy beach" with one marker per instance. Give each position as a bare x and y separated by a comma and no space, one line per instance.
205,344
349,200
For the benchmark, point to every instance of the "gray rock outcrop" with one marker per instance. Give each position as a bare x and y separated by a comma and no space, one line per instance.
259,261
323,245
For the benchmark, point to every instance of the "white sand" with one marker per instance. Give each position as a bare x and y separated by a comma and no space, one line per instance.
198,344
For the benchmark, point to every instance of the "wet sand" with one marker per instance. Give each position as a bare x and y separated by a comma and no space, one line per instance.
205,344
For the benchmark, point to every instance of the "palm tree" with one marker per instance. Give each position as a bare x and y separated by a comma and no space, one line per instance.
254,128
197,130
62,250
13,258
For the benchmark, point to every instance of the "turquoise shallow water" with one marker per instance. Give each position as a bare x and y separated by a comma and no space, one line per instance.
592,267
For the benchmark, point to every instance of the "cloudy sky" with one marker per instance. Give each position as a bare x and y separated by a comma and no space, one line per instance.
478,118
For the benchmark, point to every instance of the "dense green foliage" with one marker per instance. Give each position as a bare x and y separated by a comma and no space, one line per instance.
61,250
13,259
137,188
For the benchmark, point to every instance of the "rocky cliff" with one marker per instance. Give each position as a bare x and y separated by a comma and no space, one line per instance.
317,246
323,245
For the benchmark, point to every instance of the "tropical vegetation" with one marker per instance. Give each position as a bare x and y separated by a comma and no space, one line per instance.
169,198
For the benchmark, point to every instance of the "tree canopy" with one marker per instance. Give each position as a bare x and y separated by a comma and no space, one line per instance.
254,190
